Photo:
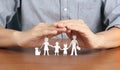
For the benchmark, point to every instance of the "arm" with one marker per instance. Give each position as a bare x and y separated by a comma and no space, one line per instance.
7,10
110,38
42,46
61,48
7,37
86,38
77,43
69,45
30,38
52,46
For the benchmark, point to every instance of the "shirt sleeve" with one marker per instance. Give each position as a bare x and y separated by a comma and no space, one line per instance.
112,13
7,10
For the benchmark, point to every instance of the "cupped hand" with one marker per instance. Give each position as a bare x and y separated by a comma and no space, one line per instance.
35,36
85,36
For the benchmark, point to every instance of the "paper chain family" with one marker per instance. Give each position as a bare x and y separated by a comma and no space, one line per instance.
73,44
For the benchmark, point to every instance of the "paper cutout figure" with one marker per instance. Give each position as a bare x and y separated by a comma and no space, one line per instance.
65,49
37,51
46,46
57,48
74,44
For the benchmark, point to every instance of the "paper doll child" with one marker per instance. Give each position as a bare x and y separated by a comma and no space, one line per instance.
57,47
65,49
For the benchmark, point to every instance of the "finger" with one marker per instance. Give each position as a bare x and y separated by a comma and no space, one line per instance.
74,27
61,29
57,23
49,32
54,31
61,23
68,31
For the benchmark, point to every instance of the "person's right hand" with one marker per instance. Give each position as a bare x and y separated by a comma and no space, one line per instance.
35,36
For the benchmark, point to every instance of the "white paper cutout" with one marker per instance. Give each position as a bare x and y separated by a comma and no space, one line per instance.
74,44
65,49
37,51
45,45
57,48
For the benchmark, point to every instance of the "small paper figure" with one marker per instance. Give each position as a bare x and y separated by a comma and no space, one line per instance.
46,46
74,44
57,47
65,49
37,51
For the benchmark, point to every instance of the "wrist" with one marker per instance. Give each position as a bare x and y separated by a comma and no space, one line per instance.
17,38
100,41
96,41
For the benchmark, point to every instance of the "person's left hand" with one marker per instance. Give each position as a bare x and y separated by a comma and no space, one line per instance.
85,37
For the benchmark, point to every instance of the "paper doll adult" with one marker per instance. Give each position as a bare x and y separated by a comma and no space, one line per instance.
74,44
46,46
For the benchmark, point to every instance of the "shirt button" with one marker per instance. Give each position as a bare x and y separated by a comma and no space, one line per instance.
65,9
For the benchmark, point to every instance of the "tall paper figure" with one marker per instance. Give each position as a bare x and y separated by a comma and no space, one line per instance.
46,46
74,44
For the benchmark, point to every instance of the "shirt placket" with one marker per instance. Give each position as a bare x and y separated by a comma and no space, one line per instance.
63,14
73,9
64,9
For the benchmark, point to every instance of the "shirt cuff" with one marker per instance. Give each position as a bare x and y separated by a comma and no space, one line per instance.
115,23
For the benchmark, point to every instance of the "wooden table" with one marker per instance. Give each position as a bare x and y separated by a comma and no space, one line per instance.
24,59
